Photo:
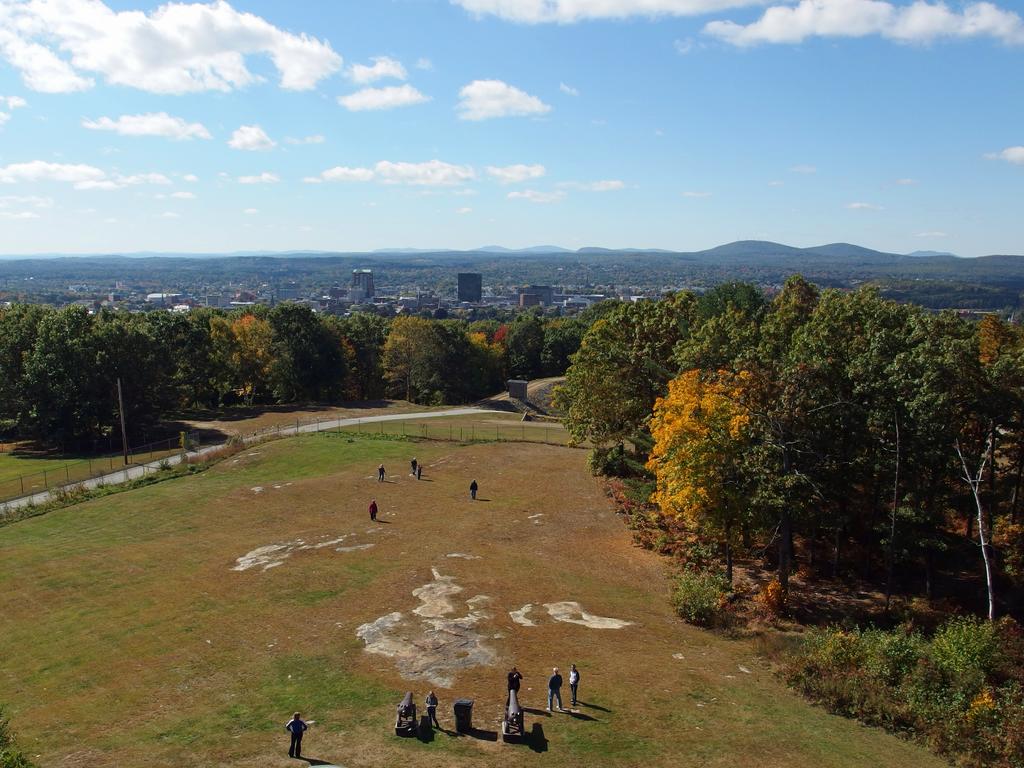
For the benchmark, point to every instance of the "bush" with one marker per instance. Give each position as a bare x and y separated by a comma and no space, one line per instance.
699,596
956,691
772,598
966,649
610,462
10,755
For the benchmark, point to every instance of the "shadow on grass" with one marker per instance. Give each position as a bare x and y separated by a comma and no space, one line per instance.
581,716
314,761
537,740
593,706
479,734
538,712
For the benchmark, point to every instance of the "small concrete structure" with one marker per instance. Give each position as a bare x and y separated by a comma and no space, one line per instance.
517,389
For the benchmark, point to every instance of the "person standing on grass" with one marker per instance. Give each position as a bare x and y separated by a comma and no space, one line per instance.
574,682
473,487
412,467
296,727
380,474
431,704
373,509
515,678
419,471
555,690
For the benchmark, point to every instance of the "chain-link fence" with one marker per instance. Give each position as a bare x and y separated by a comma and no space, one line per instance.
455,428
61,475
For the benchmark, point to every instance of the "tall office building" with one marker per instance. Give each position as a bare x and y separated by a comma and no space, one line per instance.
362,285
545,294
470,287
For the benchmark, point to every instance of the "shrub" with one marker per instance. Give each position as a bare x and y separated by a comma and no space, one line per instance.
610,462
956,691
966,649
772,598
699,596
10,755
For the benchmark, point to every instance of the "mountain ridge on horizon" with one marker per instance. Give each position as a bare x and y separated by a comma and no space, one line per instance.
737,248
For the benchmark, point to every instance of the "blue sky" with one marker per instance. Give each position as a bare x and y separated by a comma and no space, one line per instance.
353,125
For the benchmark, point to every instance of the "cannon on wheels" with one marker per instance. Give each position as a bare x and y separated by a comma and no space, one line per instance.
512,727
405,723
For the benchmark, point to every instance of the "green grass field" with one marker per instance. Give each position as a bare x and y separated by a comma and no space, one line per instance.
129,639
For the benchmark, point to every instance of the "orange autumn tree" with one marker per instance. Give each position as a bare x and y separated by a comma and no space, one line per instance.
700,431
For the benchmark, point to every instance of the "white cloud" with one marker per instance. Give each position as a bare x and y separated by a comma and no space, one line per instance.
433,173
33,201
683,45
863,207
170,215
150,124
919,22
263,178
1013,155
463,211
931,234
568,89
314,139
190,178
383,67
803,169
382,98
251,211
183,195
251,138
485,99
41,170
513,174
776,183
12,103
535,196
605,185
571,11
696,194
18,215
906,182
176,48
424,63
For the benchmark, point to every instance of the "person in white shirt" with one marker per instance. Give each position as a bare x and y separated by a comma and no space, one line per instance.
574,682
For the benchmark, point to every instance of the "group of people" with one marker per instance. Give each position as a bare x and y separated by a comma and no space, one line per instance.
555,682
415,470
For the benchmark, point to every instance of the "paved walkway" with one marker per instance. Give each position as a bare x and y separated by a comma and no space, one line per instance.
141,470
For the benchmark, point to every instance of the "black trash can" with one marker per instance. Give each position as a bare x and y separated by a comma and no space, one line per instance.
463,715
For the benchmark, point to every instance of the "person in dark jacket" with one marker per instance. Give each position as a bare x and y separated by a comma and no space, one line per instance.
473,487
574,682
555,690
412,467
515,678
431,704
380,474
373,509
296,727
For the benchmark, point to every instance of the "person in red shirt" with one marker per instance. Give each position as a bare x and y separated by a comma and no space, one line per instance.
373,509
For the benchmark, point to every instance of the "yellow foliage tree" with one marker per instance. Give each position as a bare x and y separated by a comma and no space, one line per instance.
700,431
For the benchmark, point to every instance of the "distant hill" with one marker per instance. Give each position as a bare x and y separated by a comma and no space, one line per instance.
531,249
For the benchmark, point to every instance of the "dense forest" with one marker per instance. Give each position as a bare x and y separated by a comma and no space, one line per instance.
869,445
865,427
59,367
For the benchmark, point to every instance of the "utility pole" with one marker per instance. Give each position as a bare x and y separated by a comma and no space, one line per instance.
124,431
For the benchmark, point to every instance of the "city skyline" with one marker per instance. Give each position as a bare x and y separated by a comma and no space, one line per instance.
676,124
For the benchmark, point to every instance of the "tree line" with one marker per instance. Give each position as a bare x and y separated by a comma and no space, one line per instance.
59,368
862,435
